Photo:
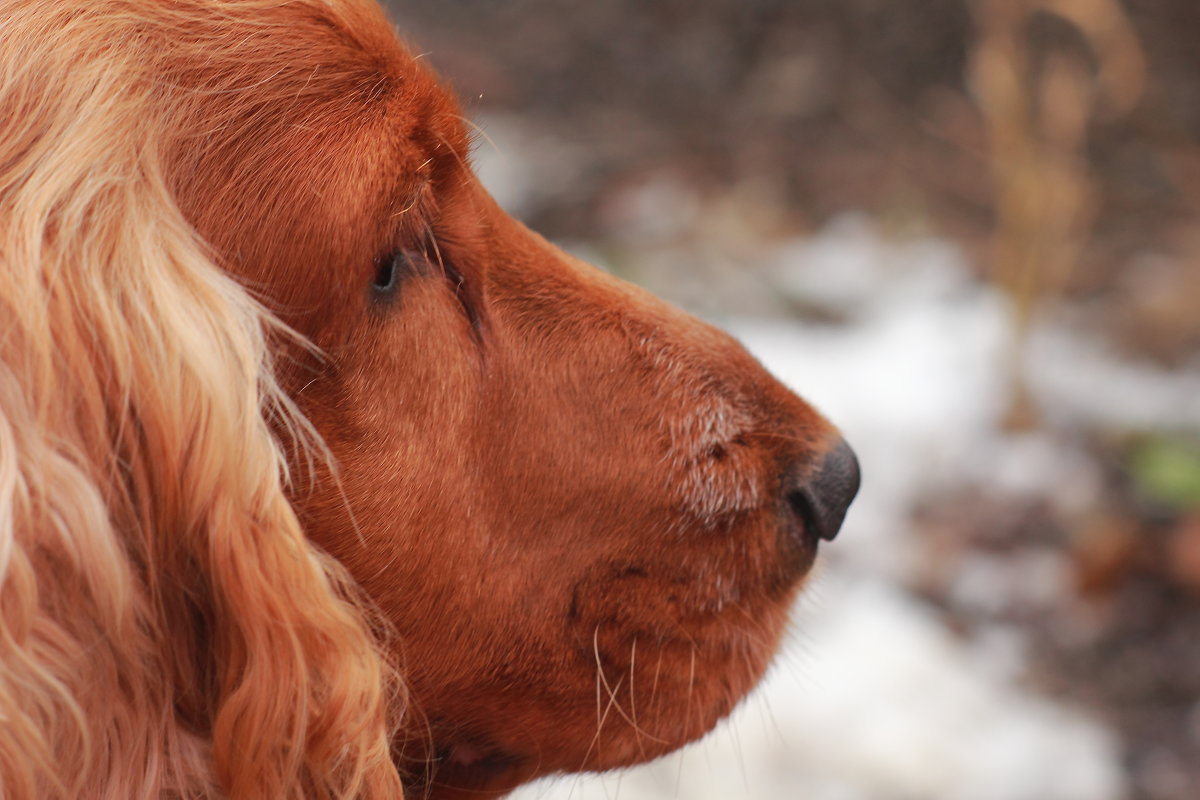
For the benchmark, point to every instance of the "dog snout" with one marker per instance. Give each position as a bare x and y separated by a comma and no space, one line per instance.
822,497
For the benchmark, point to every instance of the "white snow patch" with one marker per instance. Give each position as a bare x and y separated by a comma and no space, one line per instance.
1078,381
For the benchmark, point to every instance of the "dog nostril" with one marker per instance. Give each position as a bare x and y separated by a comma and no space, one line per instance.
824,498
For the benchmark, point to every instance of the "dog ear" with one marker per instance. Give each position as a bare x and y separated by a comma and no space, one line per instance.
166,626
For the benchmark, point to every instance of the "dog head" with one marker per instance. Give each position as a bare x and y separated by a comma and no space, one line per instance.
584,512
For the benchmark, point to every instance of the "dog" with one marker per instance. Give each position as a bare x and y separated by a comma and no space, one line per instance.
320,476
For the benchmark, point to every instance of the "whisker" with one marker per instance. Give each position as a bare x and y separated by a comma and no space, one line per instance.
657,675
601,716
612,691
437,251
633,697
482,133
752,628
457,157
418,195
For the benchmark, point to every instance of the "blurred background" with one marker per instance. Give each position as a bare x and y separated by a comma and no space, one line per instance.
967,230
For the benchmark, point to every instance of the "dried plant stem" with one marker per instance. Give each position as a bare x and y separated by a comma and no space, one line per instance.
1037,108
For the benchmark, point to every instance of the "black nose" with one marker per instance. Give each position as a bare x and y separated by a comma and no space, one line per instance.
822,499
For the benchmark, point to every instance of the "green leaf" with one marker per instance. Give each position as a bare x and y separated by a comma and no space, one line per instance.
1167,470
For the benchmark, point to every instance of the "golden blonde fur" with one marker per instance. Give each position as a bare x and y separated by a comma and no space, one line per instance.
156,591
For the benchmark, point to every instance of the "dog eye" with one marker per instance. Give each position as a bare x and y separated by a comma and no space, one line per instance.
387,270
392,270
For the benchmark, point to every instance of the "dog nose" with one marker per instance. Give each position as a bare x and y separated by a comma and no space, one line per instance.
822,499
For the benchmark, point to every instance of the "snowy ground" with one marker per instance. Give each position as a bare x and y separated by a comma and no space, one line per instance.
874,698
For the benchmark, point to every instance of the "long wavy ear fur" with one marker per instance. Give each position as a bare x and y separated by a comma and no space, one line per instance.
165,627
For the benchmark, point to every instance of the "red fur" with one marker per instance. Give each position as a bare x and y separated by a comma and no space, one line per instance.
564,496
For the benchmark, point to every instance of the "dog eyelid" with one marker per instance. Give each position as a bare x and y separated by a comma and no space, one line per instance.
385,273
391,270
